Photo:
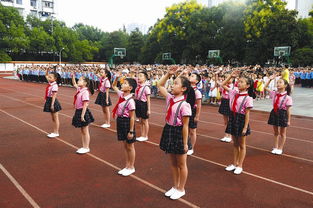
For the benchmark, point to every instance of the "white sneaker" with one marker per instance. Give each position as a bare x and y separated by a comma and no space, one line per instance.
137,119
105,125
227,139
190,152
121,171
177,194
128,172
274,151
279,151
52,135
230,167
170,192
238,170
223,139
83,150
142,139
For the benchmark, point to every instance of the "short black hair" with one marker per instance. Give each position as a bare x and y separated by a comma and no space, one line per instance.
132,82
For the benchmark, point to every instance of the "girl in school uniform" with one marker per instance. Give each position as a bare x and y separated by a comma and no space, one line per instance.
281,113
224,108
143,104
82,117
124,110
52,104
174,140
194,79
103,98
241,102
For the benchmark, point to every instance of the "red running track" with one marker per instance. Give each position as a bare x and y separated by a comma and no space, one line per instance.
48,173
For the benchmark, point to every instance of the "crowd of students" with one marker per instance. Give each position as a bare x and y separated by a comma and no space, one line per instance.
184,89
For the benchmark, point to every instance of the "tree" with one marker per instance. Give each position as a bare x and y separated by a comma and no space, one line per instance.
303,57
134,45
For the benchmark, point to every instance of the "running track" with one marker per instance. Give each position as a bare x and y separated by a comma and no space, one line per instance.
39,172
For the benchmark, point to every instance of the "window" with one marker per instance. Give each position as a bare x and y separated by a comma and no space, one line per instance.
48,4
8,1
19,1
33,3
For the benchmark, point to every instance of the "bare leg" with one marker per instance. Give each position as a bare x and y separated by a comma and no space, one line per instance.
236,150
193,137
242,150
276,137
107,118
85,136
145,127
130,148
56,122
283,133
175,172
225,124
183,171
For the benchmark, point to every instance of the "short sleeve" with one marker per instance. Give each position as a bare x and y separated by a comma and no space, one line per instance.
107,84
131,105
289,101
147,90
198,95
54,88
185,109
249,102
85,96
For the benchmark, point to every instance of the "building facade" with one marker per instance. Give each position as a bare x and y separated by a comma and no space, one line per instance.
40,8
302,6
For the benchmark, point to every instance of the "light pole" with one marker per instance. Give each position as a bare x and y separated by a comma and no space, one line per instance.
60,55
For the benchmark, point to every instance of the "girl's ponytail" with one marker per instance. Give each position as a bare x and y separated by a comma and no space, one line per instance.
89,85
288,88
189,93
251,90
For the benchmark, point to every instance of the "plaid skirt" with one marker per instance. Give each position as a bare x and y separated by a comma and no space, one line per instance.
141,109
101,99
122,128
235,125
278,119
224,108
76,121
47,106
172,140
192,123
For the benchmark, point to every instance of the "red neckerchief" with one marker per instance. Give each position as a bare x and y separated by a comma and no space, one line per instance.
137,90
235,101
47,89
120,100
101,81
169,110
278,96
75,96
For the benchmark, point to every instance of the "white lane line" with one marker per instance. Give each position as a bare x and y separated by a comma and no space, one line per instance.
19,187
210,137
200,158
102,161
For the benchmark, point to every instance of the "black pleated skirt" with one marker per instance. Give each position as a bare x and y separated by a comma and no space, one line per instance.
224,108
172,140
235,125
47,106
101,99
122,128
78,123
280,118
141,109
